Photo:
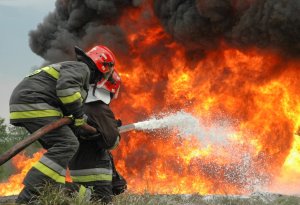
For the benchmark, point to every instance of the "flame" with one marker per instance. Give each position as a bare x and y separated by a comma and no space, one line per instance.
287,181
255,92
14,183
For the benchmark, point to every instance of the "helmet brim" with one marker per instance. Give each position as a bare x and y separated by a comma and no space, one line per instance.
82,56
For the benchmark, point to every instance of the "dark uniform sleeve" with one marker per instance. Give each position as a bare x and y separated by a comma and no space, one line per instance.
102,118
72,87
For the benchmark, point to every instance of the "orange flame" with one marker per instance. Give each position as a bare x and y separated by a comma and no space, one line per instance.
22,163
255,91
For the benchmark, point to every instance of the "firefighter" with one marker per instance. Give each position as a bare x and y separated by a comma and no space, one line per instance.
46,95
93,165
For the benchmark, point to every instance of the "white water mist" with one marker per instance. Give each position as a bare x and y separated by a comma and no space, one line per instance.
187,125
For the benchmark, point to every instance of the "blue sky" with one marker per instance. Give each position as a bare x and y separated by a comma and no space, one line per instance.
17,18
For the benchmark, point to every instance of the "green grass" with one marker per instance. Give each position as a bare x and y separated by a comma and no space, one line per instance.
150,199
55,196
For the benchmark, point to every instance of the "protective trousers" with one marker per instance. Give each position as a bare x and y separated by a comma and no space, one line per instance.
61,144
92,167
119,184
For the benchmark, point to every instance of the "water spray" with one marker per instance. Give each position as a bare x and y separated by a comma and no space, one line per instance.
185,124
182,121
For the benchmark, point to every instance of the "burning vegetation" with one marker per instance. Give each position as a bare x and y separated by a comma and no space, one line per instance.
234,62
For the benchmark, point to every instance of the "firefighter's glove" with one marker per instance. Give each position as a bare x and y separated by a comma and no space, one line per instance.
80,121
119,122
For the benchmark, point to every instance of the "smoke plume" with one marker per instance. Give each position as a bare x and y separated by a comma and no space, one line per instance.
196,24
199,25
273,24
83,23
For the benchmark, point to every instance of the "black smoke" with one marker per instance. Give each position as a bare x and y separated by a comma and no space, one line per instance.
199,25
82,23
270,24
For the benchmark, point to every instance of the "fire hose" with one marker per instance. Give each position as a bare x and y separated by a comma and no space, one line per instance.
46,129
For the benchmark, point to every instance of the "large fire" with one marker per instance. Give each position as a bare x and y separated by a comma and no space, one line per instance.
256,92
22,163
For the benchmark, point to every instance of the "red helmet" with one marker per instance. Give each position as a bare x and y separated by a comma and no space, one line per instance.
103,58
98,58
106,89
112,84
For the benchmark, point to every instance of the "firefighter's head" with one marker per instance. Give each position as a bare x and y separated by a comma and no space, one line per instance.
105,90
112,85
100,60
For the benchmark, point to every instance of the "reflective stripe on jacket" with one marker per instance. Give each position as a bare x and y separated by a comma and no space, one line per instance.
24,111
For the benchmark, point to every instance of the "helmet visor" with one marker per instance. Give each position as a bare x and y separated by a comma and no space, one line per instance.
110,69
106,76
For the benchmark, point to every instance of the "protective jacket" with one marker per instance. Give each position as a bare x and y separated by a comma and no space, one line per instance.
103,119
52,91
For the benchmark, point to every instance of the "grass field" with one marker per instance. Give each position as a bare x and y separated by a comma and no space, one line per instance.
148,199
57,197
